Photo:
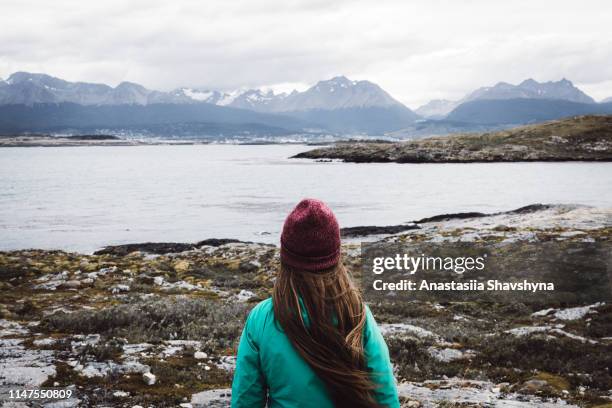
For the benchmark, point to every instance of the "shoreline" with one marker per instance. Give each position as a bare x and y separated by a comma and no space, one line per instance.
76,141
86,321
583,138
45,140
348,234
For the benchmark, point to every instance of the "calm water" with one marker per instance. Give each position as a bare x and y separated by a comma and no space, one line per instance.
83,198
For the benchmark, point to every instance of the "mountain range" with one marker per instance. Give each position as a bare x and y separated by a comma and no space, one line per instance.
42,103
529,89
337,105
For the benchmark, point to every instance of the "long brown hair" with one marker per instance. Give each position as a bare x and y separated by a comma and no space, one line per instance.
331,341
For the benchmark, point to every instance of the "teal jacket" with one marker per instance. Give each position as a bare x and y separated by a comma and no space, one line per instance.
269,367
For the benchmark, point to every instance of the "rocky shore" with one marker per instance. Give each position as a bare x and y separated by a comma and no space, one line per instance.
158,324
584,138
77,140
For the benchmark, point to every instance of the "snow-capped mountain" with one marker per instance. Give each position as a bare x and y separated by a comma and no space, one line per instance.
340,104
336,93
531,89
607,100
207,96
28,89
563,90
257,100
528,102
336,105
436,108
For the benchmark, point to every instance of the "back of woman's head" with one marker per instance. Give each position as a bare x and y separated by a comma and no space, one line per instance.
318,306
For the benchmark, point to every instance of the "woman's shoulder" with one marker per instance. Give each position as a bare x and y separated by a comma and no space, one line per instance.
259,319
262,311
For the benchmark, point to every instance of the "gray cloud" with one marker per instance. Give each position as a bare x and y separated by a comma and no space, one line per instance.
416,50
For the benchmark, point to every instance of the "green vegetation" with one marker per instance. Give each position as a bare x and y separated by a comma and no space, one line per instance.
587,138
106,320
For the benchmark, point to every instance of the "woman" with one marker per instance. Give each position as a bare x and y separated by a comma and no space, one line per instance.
314,343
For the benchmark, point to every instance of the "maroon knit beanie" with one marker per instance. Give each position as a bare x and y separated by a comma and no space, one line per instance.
311,237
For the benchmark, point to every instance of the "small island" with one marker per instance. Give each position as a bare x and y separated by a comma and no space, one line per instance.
581,138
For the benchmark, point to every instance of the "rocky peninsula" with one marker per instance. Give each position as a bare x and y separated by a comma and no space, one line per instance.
157,324
583,138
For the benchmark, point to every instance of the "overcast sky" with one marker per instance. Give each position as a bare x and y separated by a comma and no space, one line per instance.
416,50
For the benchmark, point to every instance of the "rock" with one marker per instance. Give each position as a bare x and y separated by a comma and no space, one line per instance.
215,242
227,363
212,398
248,267
549,330
447,355
119,288
149,378
362,231
180,285
64,403
200,355
72,284
130,349
44,342
150,247
21,367
543,312
462,392
572,313
244,295
82,341
400,329
105,271
162,248
576,313
102,369
454,216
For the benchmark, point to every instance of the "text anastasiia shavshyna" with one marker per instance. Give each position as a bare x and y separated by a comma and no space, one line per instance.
471,285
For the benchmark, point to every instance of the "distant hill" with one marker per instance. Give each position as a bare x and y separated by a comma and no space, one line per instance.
587,138
31,102
504,103
522,110
338,105
370,120
29,89
531,89
336,93
158,119
436,108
